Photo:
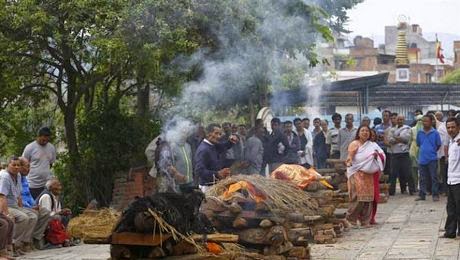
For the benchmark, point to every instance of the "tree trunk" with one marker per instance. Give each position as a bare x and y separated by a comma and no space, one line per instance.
143,95
252,111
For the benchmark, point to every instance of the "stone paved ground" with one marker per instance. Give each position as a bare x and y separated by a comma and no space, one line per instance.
406,230
81,252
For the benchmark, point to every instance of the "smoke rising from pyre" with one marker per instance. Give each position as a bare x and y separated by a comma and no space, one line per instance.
260,43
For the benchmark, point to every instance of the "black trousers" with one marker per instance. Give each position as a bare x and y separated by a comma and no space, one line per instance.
387,170
401,168
453,209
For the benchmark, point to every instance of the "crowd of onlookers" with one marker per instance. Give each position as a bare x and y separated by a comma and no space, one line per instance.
31,213
414,153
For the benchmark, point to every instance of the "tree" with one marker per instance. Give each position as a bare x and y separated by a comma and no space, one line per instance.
452,78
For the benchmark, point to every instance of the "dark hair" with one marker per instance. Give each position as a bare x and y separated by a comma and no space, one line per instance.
275,120
287,122
13,158
336,115
306,118
325,120
386,111
317,119
210,127
297,119
44,131
419,111
430,116
393,114
349,114
377,121
453,119
359,129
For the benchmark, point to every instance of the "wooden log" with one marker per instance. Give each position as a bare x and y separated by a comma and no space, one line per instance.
120,252
312,218
214,204
184,248
223,238
235,208
296,234
326,171
128,238
278,249
335,161
299,252
275,235
240,223
343,187
266,223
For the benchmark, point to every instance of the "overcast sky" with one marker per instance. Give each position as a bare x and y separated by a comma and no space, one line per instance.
436,16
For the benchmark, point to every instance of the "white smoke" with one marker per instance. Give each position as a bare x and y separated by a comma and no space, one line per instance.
234,72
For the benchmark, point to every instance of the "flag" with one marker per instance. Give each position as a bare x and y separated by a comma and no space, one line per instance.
439,50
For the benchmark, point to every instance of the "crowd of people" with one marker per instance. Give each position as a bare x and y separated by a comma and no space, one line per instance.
415,154
30,201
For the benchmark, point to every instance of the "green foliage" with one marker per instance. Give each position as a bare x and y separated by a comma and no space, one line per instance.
21,122
337,10
79,64
452,78
111,141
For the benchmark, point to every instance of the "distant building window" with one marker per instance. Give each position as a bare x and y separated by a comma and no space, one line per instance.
428,77
413,45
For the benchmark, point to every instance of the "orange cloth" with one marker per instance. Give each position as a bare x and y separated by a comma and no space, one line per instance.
213,248
254,193
299,175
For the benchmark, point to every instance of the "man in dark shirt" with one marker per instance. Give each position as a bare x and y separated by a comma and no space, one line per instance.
271,142
293,145
209,155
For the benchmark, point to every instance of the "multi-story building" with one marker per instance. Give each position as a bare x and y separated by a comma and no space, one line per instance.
418,55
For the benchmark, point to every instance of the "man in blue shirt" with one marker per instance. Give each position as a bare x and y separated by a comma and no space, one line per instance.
43,215
429,142
27,200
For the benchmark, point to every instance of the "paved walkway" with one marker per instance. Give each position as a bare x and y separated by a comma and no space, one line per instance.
406,230
81,252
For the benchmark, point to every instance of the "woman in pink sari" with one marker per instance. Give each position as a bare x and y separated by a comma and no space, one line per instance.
365,158
376,184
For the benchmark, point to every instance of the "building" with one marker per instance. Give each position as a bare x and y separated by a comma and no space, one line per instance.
417,56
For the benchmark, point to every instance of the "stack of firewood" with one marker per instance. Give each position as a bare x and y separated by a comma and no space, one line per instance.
273,217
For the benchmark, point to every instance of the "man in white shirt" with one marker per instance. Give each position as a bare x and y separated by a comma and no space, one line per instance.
453,179
41,154
50,199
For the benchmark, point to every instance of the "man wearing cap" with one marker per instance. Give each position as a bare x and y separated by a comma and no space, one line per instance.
41,155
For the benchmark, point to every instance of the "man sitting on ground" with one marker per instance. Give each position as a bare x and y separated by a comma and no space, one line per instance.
28,203
50,200
11,204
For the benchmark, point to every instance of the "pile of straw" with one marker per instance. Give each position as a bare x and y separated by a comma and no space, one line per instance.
94,226
282,196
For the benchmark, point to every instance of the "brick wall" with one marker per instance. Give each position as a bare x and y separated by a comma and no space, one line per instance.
129,185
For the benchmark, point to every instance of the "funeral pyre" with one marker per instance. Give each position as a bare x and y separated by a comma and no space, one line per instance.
276,215
255,216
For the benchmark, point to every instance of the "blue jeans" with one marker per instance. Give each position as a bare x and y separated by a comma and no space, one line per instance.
429,171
